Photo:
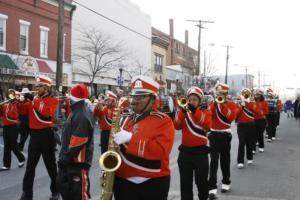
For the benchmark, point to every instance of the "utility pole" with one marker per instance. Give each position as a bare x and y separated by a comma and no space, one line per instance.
60,41
199,25
227,58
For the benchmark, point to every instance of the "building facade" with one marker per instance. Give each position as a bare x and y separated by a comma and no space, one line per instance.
28,41
133,33
160,47
181,57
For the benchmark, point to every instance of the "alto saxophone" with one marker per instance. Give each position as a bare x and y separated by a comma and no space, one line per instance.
110,161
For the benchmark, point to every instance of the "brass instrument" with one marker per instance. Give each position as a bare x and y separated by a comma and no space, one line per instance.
183,102
220,98
11,95
246,95
110,161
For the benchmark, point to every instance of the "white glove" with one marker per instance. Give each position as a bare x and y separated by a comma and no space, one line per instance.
122,137
22,98
243,103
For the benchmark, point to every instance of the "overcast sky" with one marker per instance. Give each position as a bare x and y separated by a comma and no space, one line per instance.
265,33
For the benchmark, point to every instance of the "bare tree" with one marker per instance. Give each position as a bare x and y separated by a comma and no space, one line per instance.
210,66
137,69
98,52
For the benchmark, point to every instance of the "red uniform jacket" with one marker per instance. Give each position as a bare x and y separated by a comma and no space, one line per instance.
105,117
233,106
66,104
23,107
41,112
279,105
194,127
246,113
263,106
10,114
222,116
147,153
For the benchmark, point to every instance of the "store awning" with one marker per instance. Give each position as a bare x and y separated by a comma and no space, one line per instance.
44,67
6,62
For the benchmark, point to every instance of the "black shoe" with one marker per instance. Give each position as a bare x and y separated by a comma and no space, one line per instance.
212,196
4,169
54,196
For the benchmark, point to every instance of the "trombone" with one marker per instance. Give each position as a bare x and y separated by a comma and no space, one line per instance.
11,95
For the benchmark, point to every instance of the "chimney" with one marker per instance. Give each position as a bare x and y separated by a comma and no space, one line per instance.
186,37
171,28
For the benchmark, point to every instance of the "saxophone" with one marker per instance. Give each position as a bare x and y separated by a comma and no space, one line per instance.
110,161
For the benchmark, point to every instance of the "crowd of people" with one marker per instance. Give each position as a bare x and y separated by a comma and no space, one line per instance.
145,138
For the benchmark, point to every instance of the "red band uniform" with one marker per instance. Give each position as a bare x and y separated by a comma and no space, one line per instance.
146,139
9,115
246,128
193,156
41,121
220,140
104,114
260,119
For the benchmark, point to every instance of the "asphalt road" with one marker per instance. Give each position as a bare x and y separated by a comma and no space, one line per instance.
274,176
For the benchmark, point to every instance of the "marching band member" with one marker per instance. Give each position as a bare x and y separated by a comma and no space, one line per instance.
146,139
260,119
104,114
10,115
41,122
220,139
193,156
23,106
246,128
272,116
76,154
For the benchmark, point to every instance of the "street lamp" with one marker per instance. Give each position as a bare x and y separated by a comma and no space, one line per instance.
120,78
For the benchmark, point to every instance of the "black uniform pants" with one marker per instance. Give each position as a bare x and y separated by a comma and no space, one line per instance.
220,145
152,189
278,119
10,136
193,166
104,140
41,143
246,133
271,125
260,126
73,183
24,132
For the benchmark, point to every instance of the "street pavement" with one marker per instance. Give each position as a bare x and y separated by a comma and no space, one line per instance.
275,174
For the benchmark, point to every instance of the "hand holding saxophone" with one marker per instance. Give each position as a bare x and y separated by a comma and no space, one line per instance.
122,137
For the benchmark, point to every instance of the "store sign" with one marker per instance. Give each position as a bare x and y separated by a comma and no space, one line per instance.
29,64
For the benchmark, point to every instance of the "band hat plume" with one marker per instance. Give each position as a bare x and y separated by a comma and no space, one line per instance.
142,85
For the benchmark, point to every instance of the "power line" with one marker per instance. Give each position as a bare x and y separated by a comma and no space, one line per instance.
111,20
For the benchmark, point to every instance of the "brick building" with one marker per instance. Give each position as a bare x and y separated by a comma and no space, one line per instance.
179,55
28,41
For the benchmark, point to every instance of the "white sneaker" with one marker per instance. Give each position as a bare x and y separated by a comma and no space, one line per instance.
240,166
21,164
225,188
273,138
4,168
261,150
254,152
250,162
269,140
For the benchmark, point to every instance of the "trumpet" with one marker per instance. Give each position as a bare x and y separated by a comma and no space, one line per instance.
246,95
11,95
220,98
183,102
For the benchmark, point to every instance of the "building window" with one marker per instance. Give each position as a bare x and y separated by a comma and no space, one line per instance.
24,36
44,42
183,51
243,82
3,19
177,48
158,64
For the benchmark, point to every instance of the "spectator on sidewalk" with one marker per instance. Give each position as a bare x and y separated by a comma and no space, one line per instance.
297,107
288,108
